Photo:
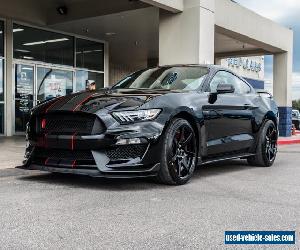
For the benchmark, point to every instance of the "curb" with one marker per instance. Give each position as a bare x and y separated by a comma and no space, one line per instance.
289,142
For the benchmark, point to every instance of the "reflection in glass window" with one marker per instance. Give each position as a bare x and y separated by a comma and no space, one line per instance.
89,55
24,77
85,78
53,83
1,81
40,45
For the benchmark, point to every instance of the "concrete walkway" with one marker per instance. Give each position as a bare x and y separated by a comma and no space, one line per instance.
11,151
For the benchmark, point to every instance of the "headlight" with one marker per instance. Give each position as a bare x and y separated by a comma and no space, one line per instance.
136,116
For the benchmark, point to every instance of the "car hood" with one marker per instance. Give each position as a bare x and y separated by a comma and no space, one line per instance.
93,101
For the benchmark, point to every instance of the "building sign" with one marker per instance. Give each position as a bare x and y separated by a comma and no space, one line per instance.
248,67
246,63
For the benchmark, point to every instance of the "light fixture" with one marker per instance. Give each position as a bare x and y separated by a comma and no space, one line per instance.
110,33
22,50
88,51
47,41
62,10
17,30
27,68
28,57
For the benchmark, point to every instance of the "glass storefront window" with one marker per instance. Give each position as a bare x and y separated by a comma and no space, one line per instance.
85,78
53,83
89,55
1,38
24,76
40,45
1,80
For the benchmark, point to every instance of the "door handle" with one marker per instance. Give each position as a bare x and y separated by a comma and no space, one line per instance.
249,106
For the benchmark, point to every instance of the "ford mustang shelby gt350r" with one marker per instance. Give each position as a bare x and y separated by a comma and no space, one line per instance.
160,122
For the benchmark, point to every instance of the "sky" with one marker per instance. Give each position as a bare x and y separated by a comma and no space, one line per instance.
287,13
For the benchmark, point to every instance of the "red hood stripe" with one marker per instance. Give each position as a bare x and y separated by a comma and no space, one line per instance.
52,104
82,102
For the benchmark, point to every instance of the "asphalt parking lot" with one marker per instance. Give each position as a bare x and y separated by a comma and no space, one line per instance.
45,211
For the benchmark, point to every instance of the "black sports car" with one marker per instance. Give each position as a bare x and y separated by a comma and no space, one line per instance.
158,122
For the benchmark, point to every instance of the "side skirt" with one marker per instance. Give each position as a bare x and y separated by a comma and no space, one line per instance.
224,158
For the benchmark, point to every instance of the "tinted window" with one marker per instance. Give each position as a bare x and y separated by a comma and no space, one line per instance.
227,78
173,78
89,55
1,38
40,45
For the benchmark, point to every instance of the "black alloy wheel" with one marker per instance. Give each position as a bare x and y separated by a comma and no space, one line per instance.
266,150
271,143
179,156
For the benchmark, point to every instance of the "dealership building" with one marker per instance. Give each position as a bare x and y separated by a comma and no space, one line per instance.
52,47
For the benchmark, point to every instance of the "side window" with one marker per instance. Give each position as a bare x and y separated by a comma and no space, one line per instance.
225,77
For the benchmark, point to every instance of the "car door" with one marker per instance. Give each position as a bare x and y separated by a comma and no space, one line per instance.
228,120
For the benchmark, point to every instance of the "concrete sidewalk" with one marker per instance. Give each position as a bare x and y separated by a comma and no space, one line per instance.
11,151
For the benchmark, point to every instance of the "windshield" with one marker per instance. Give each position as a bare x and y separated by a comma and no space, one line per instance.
170,78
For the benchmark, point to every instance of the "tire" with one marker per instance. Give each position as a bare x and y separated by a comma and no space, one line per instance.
266,147
296,124
179,153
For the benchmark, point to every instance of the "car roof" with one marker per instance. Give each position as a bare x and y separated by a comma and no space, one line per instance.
209,66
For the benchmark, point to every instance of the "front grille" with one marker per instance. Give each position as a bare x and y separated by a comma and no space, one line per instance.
69,123
126,152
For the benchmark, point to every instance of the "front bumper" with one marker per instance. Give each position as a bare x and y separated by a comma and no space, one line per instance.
151,172
98,155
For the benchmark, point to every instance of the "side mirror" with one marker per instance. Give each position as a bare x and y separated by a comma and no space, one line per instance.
224,88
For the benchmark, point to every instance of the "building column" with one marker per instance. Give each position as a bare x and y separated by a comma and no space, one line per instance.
282,84
188,37
9,78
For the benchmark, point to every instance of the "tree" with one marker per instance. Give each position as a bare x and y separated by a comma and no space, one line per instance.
296,104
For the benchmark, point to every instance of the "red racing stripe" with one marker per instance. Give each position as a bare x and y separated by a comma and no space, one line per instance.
73,141
51,106
86,99
74,164
46,161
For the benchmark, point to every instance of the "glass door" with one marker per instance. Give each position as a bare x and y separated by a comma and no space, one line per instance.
24,95
1,96
35,83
